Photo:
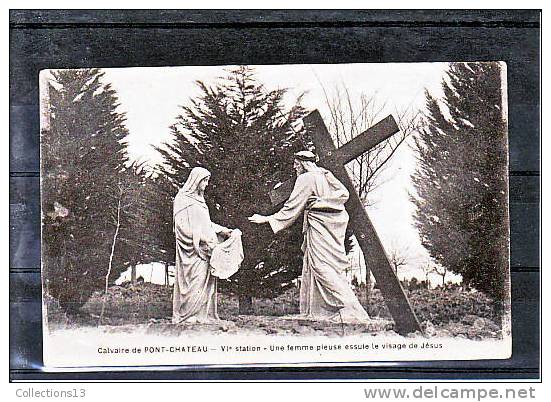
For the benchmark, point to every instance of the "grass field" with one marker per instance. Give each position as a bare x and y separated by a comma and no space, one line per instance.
442,312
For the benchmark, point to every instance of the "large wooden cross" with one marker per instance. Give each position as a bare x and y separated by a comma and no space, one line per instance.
334,160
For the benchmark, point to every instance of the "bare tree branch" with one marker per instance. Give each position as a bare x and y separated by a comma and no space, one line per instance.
349,118
399,256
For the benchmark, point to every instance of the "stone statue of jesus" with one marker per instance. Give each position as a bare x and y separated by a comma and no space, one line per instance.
324,292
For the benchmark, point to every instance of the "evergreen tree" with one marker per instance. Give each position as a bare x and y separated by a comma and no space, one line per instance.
240,131
156,225
83,153
138,241
139,210
461,179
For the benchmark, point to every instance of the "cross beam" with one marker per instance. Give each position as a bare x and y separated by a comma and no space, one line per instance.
376,134
334,159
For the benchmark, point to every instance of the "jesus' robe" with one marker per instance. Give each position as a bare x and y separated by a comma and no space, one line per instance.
324,290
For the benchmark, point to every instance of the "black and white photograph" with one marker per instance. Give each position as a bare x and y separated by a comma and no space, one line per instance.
294,214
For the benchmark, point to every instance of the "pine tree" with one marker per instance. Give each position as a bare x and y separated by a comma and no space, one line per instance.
83,153
240,131
151,238
461,179
136,244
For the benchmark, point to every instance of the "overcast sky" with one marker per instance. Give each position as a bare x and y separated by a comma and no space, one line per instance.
151,99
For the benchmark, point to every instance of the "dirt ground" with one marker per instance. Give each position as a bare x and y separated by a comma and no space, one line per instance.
149,307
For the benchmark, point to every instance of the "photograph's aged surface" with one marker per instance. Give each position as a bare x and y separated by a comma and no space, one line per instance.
290,214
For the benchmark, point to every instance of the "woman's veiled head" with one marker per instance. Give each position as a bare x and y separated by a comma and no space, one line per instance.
192,191
197,181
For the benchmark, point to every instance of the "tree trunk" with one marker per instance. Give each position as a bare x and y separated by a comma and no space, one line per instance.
245,305
244,287
133,274
110,267
167,277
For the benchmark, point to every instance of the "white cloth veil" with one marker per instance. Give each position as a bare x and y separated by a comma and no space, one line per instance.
188,194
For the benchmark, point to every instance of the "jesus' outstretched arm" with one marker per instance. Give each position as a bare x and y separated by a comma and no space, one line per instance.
292,208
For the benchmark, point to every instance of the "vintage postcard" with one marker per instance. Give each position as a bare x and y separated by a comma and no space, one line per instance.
268,215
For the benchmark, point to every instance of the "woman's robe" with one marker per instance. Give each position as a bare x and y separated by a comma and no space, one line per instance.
324,290
194,298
